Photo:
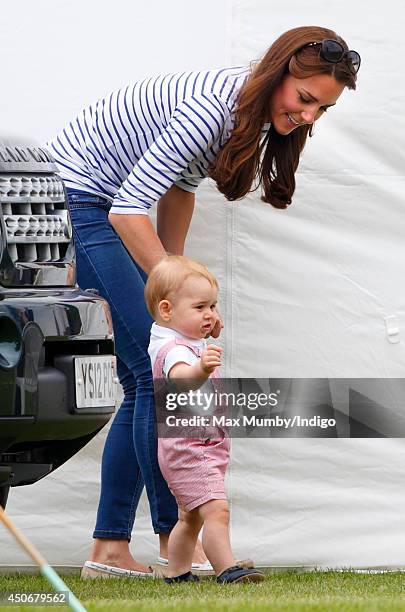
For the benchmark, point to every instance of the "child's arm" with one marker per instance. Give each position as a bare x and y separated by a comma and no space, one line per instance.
191,377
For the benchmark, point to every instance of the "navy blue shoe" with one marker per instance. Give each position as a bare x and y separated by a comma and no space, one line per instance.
187,577
236,573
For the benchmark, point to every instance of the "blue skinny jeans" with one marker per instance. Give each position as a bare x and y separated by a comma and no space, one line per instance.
130,453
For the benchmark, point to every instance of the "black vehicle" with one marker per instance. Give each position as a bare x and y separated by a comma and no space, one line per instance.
57,369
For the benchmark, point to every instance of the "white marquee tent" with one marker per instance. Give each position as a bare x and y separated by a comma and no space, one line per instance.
304,292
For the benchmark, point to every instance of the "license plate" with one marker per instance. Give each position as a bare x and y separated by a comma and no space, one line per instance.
96,382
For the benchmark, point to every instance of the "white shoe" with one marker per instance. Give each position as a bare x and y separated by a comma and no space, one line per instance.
201,567
91,569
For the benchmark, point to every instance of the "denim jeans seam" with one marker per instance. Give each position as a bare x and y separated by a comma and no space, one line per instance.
92,199
134,506
109,531
157,525
79,206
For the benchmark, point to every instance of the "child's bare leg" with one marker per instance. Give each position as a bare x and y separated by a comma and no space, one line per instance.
215,539
182,542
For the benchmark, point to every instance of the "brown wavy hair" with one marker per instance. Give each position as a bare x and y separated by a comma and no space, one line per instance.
272,162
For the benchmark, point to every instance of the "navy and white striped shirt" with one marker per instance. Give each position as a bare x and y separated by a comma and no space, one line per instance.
132,145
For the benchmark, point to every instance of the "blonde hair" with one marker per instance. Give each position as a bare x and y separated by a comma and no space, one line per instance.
167,277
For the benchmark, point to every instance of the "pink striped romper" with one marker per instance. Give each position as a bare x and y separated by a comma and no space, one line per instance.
194,468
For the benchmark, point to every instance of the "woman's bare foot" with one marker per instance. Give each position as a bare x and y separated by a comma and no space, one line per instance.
115,553
199,555
163,541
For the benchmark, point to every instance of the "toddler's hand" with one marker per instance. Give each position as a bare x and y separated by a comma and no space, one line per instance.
210,358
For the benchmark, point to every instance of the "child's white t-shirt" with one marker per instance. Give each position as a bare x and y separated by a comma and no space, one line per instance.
159,336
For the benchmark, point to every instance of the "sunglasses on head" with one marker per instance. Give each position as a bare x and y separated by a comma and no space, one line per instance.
333,51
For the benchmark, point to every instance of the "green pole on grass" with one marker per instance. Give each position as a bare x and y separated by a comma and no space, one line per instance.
46,570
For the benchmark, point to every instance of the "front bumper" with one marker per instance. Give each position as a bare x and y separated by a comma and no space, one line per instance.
43,331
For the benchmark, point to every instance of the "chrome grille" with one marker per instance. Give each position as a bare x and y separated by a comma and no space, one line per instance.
37,188
35,217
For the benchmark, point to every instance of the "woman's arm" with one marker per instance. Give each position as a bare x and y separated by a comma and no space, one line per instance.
174,213
147,247
140,238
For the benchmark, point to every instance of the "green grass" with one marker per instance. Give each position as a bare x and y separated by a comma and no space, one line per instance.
287,591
